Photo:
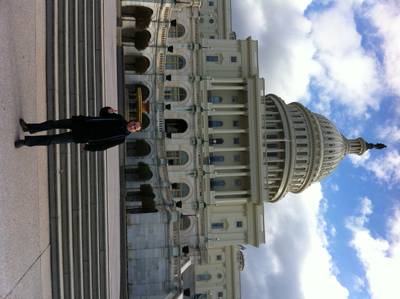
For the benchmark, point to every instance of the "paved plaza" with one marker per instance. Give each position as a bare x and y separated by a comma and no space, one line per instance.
24,216
25,243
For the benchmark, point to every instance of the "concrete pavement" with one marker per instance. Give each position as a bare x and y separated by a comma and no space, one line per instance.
25,270
24,218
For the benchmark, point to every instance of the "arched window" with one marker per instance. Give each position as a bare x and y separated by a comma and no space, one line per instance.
137,148
215,99
179,190
176,31
185,222
175,126
174,94
136,63
215,123
177,157
175,62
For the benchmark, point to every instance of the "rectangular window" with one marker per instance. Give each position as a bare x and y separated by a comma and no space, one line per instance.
212,58
236,158
236,140
215,123
210,3
236,123
220,294
215,99
235,99
233,59
239,224
219,257
217,225
205,276
212,36
217,183
214,159
238,182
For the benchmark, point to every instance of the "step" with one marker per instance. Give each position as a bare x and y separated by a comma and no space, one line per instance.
76,178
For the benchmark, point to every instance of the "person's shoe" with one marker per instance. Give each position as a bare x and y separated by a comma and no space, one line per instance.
19,143
23,125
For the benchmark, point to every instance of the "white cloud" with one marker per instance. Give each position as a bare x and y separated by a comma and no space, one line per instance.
285,48
390,133
380,257
349,74
386,168
326,48
360,160
296,253
385,15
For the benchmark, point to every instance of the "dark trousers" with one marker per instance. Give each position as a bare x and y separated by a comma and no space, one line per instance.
49,139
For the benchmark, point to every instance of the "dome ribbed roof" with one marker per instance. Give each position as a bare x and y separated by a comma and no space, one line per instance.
300,147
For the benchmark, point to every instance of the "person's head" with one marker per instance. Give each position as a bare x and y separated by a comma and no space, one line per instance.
134,126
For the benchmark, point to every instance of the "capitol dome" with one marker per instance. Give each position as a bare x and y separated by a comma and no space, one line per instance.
301,147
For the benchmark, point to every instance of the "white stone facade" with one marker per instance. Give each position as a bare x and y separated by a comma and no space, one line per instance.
214,149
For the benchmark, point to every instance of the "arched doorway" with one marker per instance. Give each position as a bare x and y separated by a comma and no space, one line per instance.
137,148
141,14
141,172
141,39
141,201
145,121
174,126
136,63
131,92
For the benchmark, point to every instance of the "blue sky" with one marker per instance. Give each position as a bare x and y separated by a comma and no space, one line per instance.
341,237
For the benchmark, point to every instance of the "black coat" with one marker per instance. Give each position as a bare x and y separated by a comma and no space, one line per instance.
100,132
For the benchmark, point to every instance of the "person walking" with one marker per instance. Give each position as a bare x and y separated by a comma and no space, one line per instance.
97,133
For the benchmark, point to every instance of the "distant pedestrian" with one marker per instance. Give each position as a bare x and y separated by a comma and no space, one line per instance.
96,133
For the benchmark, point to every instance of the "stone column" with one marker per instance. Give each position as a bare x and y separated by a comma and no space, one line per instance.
226,106
227,149
233,193
233,200
218,112
227,131
230,174
233,167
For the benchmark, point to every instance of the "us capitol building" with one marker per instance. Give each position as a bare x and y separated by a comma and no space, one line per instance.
214,148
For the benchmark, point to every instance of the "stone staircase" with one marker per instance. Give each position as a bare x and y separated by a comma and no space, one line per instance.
76,178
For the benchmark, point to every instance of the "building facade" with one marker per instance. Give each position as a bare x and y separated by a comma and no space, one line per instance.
213,149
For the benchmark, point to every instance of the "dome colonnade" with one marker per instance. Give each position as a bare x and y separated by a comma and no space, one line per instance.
301,147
